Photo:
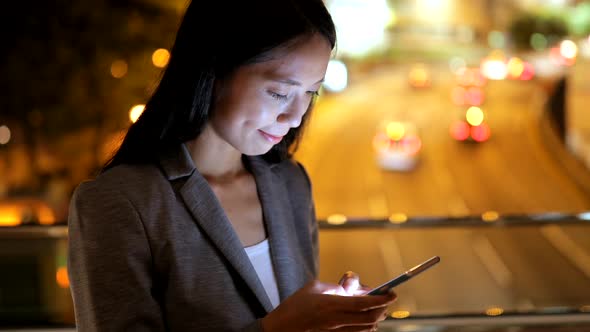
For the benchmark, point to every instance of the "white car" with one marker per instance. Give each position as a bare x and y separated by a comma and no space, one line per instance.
397,146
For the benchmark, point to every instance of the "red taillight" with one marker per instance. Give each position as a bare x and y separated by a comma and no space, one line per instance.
411,144
480,133
528,73
460,130
474,96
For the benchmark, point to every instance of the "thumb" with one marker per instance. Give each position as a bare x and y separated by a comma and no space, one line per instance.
318,287
350,282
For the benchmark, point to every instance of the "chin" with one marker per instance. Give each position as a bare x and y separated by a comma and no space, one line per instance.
255,151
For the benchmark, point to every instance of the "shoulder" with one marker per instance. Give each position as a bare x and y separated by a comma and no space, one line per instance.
122,181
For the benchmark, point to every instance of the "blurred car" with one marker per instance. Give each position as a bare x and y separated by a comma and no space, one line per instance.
397,146
23,211
419,76
470,77
467,96
472,127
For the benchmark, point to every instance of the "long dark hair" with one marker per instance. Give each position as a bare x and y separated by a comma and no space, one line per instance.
213,40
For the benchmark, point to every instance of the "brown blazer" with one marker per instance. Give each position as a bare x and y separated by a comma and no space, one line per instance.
150,248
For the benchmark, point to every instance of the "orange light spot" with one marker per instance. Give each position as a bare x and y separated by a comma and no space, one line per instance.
61,277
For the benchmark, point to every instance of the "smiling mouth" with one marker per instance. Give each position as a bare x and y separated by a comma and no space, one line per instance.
271,138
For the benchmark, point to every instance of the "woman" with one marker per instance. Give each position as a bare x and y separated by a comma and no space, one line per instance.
202,221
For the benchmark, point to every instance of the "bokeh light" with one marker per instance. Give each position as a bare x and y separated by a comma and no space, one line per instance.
45,215
400,314
337,219
10,216
490,216
160,57
119,68
4,135
528,72
61,277
360,24
568,49
474,116
474,96
494,311
515,67
494,68
398,218
381,142
460,130
395,130
411,144
336,79
135,112
556,56
480,133
496,39
538,41
419,76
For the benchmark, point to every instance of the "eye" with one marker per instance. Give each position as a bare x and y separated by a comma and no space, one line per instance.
277,96
314,93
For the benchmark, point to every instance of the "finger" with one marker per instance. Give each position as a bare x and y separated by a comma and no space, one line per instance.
350,281
319,287
363,319
390,297
359,303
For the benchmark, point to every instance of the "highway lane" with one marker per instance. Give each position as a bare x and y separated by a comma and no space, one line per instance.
511,173
514,268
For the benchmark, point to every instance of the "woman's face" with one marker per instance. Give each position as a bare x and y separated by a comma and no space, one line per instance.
260,102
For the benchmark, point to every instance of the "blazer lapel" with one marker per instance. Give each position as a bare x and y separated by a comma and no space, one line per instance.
278,216
208,213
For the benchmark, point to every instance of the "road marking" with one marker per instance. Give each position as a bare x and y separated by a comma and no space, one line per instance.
393,263
392,258
458,207
455,203
567,247
492,262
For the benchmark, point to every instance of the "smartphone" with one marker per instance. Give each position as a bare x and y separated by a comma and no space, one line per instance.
384,289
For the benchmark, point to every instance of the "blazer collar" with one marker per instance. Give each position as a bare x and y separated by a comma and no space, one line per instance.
209,215
280,226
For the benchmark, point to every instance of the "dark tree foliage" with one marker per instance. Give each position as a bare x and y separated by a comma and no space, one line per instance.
525,25
56,58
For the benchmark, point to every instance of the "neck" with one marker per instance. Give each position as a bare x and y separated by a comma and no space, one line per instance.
215,159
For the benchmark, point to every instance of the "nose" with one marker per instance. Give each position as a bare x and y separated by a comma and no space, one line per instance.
294,113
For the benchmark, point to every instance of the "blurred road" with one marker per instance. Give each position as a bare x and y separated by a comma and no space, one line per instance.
511,173
508,268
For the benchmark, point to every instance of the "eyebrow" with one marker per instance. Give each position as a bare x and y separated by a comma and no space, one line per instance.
293,82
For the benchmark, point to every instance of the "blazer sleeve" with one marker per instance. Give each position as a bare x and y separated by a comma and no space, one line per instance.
109,264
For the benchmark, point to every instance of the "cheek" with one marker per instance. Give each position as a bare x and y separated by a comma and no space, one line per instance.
260,111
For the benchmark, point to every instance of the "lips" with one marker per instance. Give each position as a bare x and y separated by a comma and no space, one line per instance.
271,138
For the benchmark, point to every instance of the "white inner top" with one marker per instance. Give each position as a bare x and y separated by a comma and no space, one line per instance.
259,255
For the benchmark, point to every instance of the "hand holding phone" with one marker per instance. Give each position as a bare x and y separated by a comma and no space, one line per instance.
384,289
